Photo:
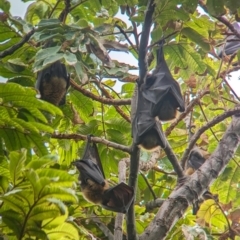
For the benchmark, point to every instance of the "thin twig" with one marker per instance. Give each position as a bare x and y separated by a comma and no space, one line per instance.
149,186
228,24
118,109
142,58
201,130
53,9
231,89
103,227
15,47
204,115
98,98
156,203
187,110
127,38
76,136
76,5
174,161
157,169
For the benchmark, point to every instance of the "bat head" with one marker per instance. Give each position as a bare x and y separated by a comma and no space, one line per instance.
150,140
195,159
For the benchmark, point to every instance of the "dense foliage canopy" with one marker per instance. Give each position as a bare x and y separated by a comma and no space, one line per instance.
40,197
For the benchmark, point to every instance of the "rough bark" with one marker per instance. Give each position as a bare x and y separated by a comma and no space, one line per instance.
194,186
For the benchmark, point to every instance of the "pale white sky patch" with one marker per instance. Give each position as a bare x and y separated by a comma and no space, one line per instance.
18,8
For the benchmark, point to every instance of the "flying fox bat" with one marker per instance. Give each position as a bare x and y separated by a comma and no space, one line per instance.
53,82
232,44
146,130
162,91
195,161
95,187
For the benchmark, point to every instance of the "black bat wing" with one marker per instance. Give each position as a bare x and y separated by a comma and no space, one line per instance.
118,198
91,152
142,121
233,45
161,84
89,170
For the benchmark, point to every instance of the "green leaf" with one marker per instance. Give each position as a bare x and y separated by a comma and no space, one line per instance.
16,166
196,38
63,231
215,7
5,6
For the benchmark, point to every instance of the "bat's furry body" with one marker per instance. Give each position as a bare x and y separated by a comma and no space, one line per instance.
157,99
94,186
53,82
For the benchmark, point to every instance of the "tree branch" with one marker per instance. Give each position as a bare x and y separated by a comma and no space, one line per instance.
118,231
127,38
149,186
156,203
133,178
98,98
118,109
174,207
15,47
76,136
201,130
174,161
142,59
53,9
65,11
102,227
228,24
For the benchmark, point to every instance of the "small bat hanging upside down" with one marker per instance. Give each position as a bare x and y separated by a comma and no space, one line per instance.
158,99
195,161
95,187
53,82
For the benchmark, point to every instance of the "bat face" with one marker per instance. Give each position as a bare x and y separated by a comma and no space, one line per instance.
146,130
150,140
167,109
118,198
53,82
162,91
196,159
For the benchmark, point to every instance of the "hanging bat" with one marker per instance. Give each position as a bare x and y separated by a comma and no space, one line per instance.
146,130
233,43
195,161
95,187
53,82
162,91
